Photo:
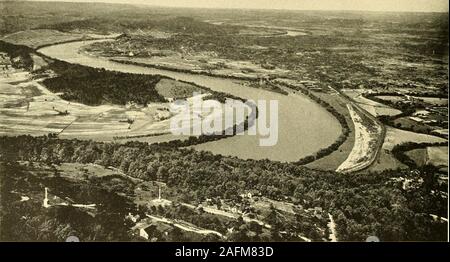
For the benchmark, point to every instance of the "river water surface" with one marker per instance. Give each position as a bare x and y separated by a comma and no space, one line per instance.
304,126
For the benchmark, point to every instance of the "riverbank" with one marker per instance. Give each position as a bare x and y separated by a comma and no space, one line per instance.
298,116
303,161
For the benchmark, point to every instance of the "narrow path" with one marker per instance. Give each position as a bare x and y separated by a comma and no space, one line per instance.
185,226
332,227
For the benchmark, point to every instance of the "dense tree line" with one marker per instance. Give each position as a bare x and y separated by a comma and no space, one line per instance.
407,109
188,71
399,151
19,55
341,119
363,204
94,86
28,221
178,24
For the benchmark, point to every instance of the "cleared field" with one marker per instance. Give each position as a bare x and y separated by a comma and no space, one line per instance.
391,98
27,107
435,100
437,156
419,156
171,89
374,108
396,136
386,160
200,62
367,135
433,155
40,37
414,124
431,100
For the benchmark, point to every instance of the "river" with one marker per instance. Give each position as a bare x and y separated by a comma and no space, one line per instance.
304,126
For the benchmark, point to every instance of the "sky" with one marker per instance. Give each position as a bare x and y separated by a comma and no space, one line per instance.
368,5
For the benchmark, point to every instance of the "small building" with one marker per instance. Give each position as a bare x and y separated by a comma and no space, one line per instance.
134,219
422,113
146,232
417,119
247,195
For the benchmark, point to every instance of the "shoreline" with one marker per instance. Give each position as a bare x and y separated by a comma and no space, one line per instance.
302,161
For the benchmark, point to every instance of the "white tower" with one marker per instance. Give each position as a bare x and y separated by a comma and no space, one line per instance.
45,204
159,193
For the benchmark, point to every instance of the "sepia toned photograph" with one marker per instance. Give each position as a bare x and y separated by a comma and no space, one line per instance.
224,121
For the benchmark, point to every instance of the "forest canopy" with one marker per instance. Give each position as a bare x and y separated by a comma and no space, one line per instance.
93,86
363,204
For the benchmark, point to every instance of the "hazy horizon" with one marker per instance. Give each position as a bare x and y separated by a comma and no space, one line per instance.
325,5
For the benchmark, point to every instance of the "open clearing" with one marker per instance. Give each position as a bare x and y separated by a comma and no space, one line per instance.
432,155
198,62
419,156
396,136
205,63
171,89
437,156
41,37
374,108
27,107
431,100
434,100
